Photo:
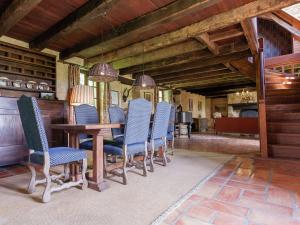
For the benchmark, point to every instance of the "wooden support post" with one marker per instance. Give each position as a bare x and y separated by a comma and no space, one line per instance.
260,84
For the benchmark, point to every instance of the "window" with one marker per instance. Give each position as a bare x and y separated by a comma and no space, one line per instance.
160,96
83,80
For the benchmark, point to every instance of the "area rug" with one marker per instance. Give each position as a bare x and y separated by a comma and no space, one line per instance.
143,201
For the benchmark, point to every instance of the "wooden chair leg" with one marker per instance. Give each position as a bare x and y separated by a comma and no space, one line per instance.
145,160
124,169
31,186
151,160
66,172
83,173
164,156
47,191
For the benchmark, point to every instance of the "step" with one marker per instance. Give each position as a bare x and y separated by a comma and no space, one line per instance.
280,92
283,127
293,117
283,107
284,139
281,79
293,86
283,99
284,151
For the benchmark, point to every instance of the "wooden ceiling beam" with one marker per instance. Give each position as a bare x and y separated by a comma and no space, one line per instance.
231,17
136,27
205,39
16,11
231,33
249,26
220,87
189,75
288,18
216,81
203,70
200,63
163,53
217,93
245,67
196,78
89,11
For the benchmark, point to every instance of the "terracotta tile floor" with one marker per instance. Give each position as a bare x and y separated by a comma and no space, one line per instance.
247,191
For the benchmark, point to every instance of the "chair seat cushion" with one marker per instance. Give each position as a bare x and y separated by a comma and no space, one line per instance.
117,149
88,145
170,136
59,155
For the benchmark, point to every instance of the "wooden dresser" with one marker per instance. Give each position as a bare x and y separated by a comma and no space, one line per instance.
12,141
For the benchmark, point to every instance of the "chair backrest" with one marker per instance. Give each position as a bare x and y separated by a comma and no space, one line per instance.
86,114
32,123
171,126
161,120
138,121
117,115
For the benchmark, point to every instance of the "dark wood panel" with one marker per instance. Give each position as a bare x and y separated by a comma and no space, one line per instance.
12,142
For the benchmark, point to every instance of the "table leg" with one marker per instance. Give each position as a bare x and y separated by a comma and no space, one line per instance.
73,143
97,182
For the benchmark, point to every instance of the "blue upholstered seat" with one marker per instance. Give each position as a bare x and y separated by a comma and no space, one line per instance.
135,135
58,156
87,114
41,154
117,115
159,131
171,127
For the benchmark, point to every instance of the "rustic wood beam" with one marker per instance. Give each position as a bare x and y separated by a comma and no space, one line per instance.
159,54
219,21
294,31
204,38
129,32
245,67
190,75
249,26
16,11
200,63
220,87
288,18
86,13
231,33
220,81
204,78
223,92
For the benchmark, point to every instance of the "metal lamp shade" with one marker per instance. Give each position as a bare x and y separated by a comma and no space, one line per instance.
82,94
144,82
102,72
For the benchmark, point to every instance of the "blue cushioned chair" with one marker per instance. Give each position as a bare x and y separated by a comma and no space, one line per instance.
135,135
87,114
159,131
41,154
117,115
171,128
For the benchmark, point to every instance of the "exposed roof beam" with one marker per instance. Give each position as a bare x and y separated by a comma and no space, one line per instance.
219,21
206,83
159,54
190,75
204,38
245,67
288,18
294,31
250,30
197,78
153,67
220,87
16,11
132,29
216,92
231,33
200,63
89,11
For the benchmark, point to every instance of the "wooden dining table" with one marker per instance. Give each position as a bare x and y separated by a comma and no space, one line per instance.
96,181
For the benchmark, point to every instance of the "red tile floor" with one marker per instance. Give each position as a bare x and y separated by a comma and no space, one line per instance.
248,190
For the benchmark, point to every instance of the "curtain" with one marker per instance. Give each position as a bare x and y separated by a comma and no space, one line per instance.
73,79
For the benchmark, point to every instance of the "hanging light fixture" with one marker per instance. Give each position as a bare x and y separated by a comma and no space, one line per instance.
144,81
103,72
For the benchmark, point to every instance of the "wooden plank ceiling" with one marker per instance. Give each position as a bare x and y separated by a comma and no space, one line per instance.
197,45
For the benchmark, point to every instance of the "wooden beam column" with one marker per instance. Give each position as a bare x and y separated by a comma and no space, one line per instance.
260,85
